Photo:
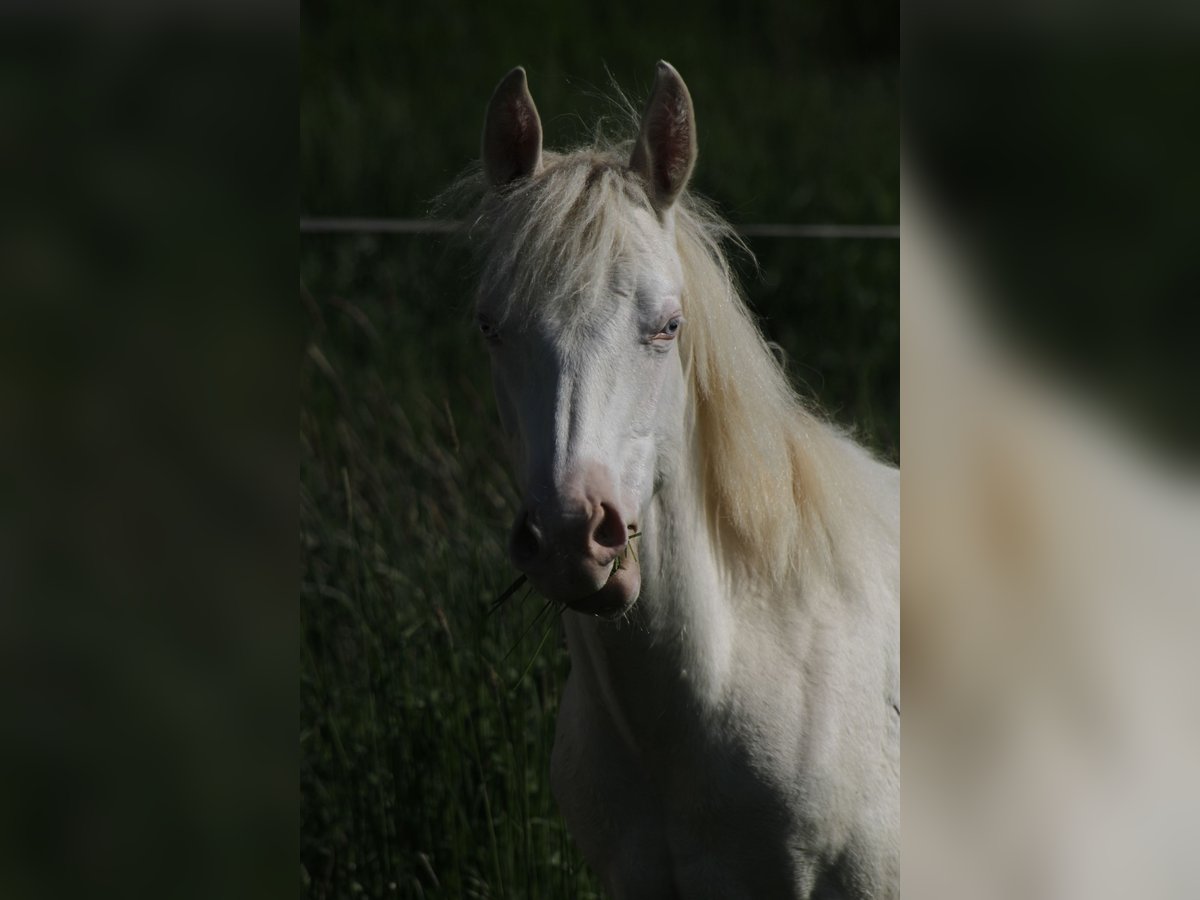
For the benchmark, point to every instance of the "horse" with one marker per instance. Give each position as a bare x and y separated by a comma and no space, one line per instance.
728,559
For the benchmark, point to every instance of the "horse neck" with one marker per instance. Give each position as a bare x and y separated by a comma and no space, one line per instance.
691,608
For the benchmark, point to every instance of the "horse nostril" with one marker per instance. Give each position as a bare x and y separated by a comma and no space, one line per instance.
525,542
610,531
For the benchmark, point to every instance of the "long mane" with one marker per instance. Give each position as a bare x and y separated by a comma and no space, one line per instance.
780,484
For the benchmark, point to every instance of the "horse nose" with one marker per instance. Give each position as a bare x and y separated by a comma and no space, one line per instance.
607,530
526,542
592,531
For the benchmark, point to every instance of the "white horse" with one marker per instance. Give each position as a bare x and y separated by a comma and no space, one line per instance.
730,726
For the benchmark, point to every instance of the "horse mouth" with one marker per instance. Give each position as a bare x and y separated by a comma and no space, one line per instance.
617,595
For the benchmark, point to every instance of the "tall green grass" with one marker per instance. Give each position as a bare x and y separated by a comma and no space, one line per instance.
428,723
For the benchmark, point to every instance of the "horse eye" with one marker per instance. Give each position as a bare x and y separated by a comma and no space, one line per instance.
670,329
489,330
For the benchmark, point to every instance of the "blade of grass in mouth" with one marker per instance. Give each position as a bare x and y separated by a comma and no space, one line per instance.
512,589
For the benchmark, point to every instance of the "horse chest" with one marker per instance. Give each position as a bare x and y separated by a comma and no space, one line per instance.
688,809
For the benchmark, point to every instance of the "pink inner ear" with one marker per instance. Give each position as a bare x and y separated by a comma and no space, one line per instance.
512,137
671,144
525,136
521,120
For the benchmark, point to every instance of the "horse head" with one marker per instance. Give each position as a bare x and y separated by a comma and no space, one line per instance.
581,309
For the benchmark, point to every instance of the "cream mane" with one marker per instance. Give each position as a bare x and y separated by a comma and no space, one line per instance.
779,483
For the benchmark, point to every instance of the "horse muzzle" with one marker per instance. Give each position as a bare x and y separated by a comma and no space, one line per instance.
583,561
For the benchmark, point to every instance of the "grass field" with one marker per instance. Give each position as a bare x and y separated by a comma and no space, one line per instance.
426,724
426,742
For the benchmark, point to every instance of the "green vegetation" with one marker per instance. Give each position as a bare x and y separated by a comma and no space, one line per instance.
427,723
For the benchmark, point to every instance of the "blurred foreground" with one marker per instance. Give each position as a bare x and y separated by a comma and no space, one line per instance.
1051,510
1050,623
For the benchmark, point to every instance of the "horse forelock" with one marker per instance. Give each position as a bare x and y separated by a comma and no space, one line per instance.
548,243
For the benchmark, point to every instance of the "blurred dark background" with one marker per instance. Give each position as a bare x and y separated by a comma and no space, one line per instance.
1061,156
426,725
147,462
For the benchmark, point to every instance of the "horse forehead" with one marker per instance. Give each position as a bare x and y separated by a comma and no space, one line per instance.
561,278
646,270
613,290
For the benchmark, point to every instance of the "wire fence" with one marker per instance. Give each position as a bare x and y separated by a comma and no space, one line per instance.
350,225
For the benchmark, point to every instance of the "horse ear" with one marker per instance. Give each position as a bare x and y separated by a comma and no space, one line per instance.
666,146
512,131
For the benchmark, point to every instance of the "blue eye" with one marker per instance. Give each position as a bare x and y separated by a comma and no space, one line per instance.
670,329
